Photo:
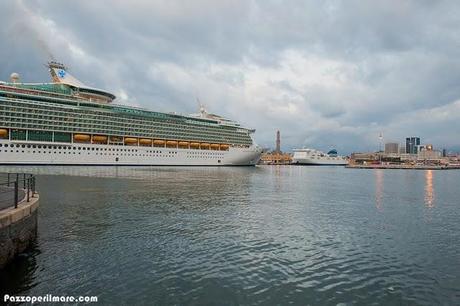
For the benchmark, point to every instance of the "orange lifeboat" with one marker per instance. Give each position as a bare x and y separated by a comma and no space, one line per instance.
224,147
99,139
158,143
194,145
3,133
145,142
131,141
204,146
183,144
81,137
171,144
214,146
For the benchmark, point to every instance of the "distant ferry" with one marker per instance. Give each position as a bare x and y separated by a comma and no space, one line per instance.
318,158
65,122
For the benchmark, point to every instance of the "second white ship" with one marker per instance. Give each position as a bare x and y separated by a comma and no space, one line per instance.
318,158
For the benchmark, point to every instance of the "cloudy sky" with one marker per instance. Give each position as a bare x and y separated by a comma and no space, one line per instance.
326,73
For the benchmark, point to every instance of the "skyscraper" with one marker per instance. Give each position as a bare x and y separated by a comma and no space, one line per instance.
391,148
411,145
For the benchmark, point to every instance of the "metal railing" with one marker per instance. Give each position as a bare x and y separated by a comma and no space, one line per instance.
15,188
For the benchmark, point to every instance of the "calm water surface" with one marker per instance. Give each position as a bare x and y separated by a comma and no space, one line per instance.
225,236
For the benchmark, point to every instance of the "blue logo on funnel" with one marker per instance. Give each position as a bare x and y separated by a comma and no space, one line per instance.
61,73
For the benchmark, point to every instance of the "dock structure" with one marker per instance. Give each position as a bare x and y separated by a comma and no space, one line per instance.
18,215
403,166
275,158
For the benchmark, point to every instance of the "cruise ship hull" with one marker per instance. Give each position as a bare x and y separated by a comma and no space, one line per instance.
40,153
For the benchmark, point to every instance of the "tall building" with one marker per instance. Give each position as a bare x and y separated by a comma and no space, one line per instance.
391,148
411,145
278,142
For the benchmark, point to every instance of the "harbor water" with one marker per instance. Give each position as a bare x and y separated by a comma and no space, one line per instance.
251,235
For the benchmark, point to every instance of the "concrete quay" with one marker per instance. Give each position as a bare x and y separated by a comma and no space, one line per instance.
407,167
18,227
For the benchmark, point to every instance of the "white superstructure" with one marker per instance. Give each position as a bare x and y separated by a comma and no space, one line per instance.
316,157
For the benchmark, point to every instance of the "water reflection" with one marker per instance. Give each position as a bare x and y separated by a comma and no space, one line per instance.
429,189
379,189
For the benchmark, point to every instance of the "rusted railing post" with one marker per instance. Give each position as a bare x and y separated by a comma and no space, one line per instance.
28,189
16,189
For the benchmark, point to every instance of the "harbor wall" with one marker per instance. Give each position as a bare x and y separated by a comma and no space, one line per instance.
18,229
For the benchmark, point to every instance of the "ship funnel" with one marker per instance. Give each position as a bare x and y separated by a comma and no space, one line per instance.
59,74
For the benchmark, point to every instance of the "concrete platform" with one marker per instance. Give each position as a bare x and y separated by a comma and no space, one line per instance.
18,228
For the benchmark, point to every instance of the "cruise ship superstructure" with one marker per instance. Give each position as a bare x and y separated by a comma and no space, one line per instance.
65,122
318,158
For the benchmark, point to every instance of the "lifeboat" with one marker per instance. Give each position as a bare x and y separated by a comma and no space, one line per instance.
99,138
194,145
158,143
81,137
116,139
145,142
224,147
204,146
214,146
183,144
171,144
3,133
130,140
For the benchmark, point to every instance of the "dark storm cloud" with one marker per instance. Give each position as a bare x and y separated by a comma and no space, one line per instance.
325,73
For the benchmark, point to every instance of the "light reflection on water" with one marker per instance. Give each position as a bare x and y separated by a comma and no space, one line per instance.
379,188
263,235
429,189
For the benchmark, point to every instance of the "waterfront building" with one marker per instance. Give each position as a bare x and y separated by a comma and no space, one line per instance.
427,152
66,122
391,148
429,155
411,144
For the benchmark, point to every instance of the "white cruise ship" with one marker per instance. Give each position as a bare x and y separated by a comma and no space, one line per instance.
65,122
318,158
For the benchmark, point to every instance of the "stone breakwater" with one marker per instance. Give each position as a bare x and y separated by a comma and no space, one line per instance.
18,228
